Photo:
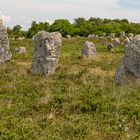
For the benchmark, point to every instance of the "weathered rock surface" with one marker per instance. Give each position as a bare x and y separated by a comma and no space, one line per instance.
96,36
21,38
112,35
104,34
47,52
89,49
126,42
130,66
20,50
130,35
122,34
91,36
5,54
68,36
116,42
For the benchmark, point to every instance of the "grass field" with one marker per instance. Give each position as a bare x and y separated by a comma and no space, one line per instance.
79,102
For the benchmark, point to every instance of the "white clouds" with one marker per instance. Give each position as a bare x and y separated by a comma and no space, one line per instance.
41,10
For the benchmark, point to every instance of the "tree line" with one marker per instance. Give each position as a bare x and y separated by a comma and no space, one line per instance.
80,27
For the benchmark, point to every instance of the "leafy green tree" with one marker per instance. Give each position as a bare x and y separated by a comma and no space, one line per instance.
16,32
125,21
81,27
85,29
36,27
17,28
78,22
96,21
63,26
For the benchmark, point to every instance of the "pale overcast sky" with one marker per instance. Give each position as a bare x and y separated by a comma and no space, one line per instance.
23,12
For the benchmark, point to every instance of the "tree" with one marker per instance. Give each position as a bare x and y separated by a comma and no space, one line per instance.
36,27
81,27
96,21
17,28
63,26
79,21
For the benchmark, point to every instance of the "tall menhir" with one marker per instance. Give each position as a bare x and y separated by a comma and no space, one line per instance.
5,54
47,52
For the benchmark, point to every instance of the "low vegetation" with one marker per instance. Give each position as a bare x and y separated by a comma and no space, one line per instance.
79,102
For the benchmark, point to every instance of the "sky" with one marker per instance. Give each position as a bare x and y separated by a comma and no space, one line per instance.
23,12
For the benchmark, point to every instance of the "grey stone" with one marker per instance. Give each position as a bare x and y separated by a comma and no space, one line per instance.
122,34
127,42
96,36
20,50
104,34
33,37
89,49
47,52
112,35
130,38
130,35
68,36
20,38
5,54
91,36
131,62
116,42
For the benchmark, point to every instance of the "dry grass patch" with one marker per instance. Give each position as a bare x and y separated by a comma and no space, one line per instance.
98,71
95,58
25,64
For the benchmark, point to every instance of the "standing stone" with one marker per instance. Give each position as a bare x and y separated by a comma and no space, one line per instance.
21,38
126,42
89,49
130,35
130,66
130,38
5,54
68,36
116,42
110,47
104,34
20,50
47,52
122,34
96,36
91,36
112,35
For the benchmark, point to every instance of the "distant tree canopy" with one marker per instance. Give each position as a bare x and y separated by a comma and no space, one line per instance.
81,27
16,32
36,27
63,26
17,28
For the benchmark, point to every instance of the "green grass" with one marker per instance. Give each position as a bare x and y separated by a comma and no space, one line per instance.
79,102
